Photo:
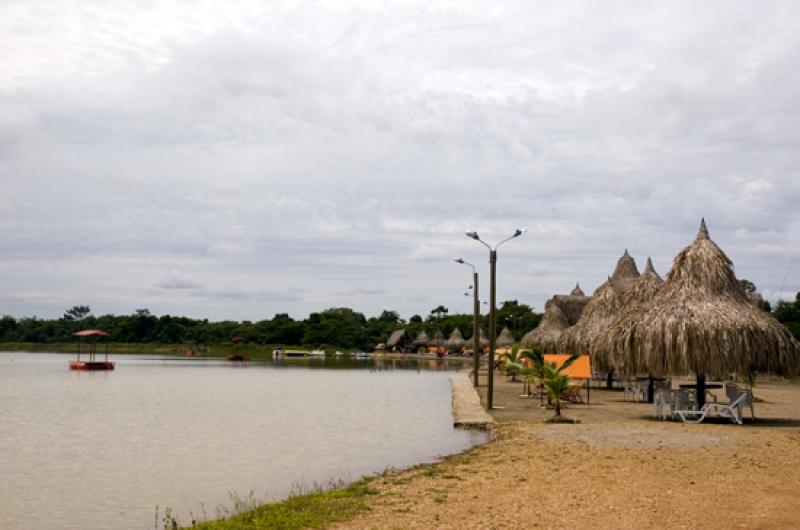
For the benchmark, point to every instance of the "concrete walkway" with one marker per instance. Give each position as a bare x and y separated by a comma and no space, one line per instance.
468,412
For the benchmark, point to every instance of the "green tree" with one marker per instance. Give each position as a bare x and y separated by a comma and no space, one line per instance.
77,313
747,286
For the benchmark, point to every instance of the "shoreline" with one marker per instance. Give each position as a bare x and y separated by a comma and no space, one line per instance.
255,352
619,468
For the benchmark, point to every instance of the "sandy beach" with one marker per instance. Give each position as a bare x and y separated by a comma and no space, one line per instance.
618,468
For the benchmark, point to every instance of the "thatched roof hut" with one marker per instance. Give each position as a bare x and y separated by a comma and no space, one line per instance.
625,273
601,309
756,299
608,344
438,339
577,291
422,339
482,338
701,321
506,338
456,341
395,338
546,334
560,312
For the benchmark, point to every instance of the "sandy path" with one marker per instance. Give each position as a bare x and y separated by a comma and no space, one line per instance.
618,469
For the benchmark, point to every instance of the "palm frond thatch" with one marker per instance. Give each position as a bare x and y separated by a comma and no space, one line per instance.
456,340
601,309
624,273
577,291
700,321
437,339
606,347
395,337
546,334
506,338
482,338
422,339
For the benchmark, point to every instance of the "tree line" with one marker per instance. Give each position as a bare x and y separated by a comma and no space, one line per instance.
338,327
789,314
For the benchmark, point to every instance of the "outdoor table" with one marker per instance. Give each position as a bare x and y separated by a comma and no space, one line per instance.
701,396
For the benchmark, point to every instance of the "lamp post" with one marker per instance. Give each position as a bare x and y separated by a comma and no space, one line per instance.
476,313
492,307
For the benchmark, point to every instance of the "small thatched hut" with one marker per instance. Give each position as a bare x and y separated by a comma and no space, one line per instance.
484,342
506,338
397,340
608,344
560,312
422,340
456,341
600,310
701,322
438,339
546,334
577,291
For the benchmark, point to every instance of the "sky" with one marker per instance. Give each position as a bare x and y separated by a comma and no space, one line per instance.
234,160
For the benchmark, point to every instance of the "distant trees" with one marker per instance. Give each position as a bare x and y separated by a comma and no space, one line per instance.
339,327
789,314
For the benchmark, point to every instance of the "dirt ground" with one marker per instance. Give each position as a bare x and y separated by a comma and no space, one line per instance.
618,468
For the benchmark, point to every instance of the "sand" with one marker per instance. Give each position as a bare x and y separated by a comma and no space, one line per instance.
618,468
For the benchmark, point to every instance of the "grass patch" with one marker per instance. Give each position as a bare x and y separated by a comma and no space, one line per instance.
317,509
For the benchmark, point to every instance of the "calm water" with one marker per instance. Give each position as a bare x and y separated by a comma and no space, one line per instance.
101,450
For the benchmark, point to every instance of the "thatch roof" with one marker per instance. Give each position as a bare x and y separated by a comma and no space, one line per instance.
456,340
577,291
482,338
756,300
601,309
438,338
700,321
625,273
546,334
506,338
422,339
395,337
607,346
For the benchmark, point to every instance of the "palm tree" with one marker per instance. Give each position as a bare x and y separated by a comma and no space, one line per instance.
554,381
513,363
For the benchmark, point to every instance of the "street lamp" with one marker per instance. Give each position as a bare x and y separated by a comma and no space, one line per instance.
476,314
492,306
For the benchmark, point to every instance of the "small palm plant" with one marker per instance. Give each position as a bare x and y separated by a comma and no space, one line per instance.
512,364
552,378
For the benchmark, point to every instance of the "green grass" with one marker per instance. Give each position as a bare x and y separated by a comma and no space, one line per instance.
317,509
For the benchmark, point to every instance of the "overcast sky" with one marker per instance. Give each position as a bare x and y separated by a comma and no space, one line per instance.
232,160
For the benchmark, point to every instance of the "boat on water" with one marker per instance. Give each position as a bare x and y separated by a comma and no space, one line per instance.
92,364
317,353
293,353
362,355
239,347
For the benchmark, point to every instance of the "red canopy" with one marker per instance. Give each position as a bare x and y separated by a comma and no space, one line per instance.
91,332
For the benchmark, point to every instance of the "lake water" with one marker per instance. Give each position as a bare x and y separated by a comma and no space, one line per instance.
101,450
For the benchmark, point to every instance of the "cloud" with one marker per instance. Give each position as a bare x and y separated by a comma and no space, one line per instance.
284,149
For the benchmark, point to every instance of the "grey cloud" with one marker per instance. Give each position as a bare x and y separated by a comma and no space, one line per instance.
327,150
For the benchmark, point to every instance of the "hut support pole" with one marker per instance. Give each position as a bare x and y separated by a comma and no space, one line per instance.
610,379
492,326
476,329
701,390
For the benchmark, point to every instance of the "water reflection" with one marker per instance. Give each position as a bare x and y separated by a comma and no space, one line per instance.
101,450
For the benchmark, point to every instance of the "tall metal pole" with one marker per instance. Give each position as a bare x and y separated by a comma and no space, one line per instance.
493,309
476,329
492,327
